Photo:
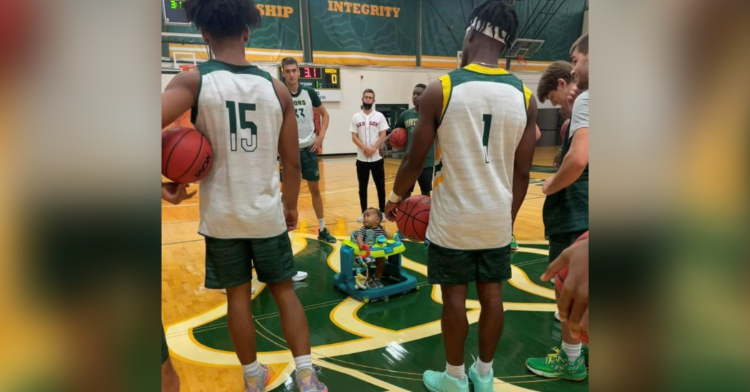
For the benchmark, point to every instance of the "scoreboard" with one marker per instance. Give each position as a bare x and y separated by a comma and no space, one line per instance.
173,11
317,77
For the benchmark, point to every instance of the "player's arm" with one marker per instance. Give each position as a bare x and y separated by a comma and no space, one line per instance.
430,111
179,96
400,123
523,160
572,166
324,118
289,153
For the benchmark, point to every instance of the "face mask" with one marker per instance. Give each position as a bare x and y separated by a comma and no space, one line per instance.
367,106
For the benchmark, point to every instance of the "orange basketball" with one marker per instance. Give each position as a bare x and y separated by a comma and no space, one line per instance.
186,155
413,216
398,138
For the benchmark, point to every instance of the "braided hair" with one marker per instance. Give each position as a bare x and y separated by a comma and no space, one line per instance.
222,18
499,14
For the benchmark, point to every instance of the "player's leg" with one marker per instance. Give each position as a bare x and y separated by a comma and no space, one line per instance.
491,319
170,381
240,322
452,270
493,268
425,181
317,198
228,266
455,324
567,363
274,262
363,176
378,175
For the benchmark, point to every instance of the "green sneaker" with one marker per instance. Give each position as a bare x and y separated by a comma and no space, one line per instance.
443,382
513,243
325,236
585,354
481,384
557,365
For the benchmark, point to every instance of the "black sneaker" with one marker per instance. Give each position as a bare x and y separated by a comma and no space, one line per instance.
325,236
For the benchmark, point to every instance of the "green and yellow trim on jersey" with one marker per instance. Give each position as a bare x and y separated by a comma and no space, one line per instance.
471,73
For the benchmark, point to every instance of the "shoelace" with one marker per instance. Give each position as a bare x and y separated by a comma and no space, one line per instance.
554,357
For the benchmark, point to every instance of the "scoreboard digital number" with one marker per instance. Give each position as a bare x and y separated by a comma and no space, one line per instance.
173,11
317,77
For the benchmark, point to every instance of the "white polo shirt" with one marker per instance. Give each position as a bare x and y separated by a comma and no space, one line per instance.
368,128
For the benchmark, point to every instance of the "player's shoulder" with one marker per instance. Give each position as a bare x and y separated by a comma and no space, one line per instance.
190,79
309,90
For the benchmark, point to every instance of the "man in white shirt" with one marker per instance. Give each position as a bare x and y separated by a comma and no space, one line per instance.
368,130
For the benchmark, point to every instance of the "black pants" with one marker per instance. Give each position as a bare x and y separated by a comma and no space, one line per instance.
424,181
378,175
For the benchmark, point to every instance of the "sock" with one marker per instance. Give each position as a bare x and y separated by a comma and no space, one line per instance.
483,368
572,350
322,223
455,371
252,370
303,362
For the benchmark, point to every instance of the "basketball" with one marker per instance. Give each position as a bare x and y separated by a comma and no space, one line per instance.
186,155
413,216
398,138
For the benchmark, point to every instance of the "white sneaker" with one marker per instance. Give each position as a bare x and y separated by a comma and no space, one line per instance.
361,218
557,315
384,217
301,275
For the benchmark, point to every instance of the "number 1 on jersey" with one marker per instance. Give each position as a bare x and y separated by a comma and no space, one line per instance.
243,108
487,120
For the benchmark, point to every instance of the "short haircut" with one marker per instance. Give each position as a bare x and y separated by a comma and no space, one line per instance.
288,61
422,86
548,82
369,90
582,44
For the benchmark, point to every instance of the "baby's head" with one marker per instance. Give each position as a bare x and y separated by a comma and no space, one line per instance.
371,218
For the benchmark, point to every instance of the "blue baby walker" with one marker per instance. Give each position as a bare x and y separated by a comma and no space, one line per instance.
351,280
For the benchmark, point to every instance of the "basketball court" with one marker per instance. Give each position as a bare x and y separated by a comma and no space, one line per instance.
358,346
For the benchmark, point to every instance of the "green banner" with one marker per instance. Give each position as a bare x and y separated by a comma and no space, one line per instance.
279,30
444,26
364,32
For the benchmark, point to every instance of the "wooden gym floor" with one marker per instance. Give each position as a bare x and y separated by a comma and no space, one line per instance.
374,347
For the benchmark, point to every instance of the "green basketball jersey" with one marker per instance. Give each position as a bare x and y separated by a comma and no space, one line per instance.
408,120
568,210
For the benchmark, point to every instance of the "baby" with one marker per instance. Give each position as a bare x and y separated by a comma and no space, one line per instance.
368,234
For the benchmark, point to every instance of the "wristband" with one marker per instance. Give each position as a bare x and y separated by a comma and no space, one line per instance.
394,199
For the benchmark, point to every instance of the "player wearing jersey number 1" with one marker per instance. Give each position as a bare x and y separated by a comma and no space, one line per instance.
484,121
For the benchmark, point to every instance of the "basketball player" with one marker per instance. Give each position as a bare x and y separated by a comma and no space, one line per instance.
248,117
556,85
305,101
484,120
408,120
566,213
368,131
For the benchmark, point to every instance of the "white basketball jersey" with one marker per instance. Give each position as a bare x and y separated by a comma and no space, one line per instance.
484,118
241,115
